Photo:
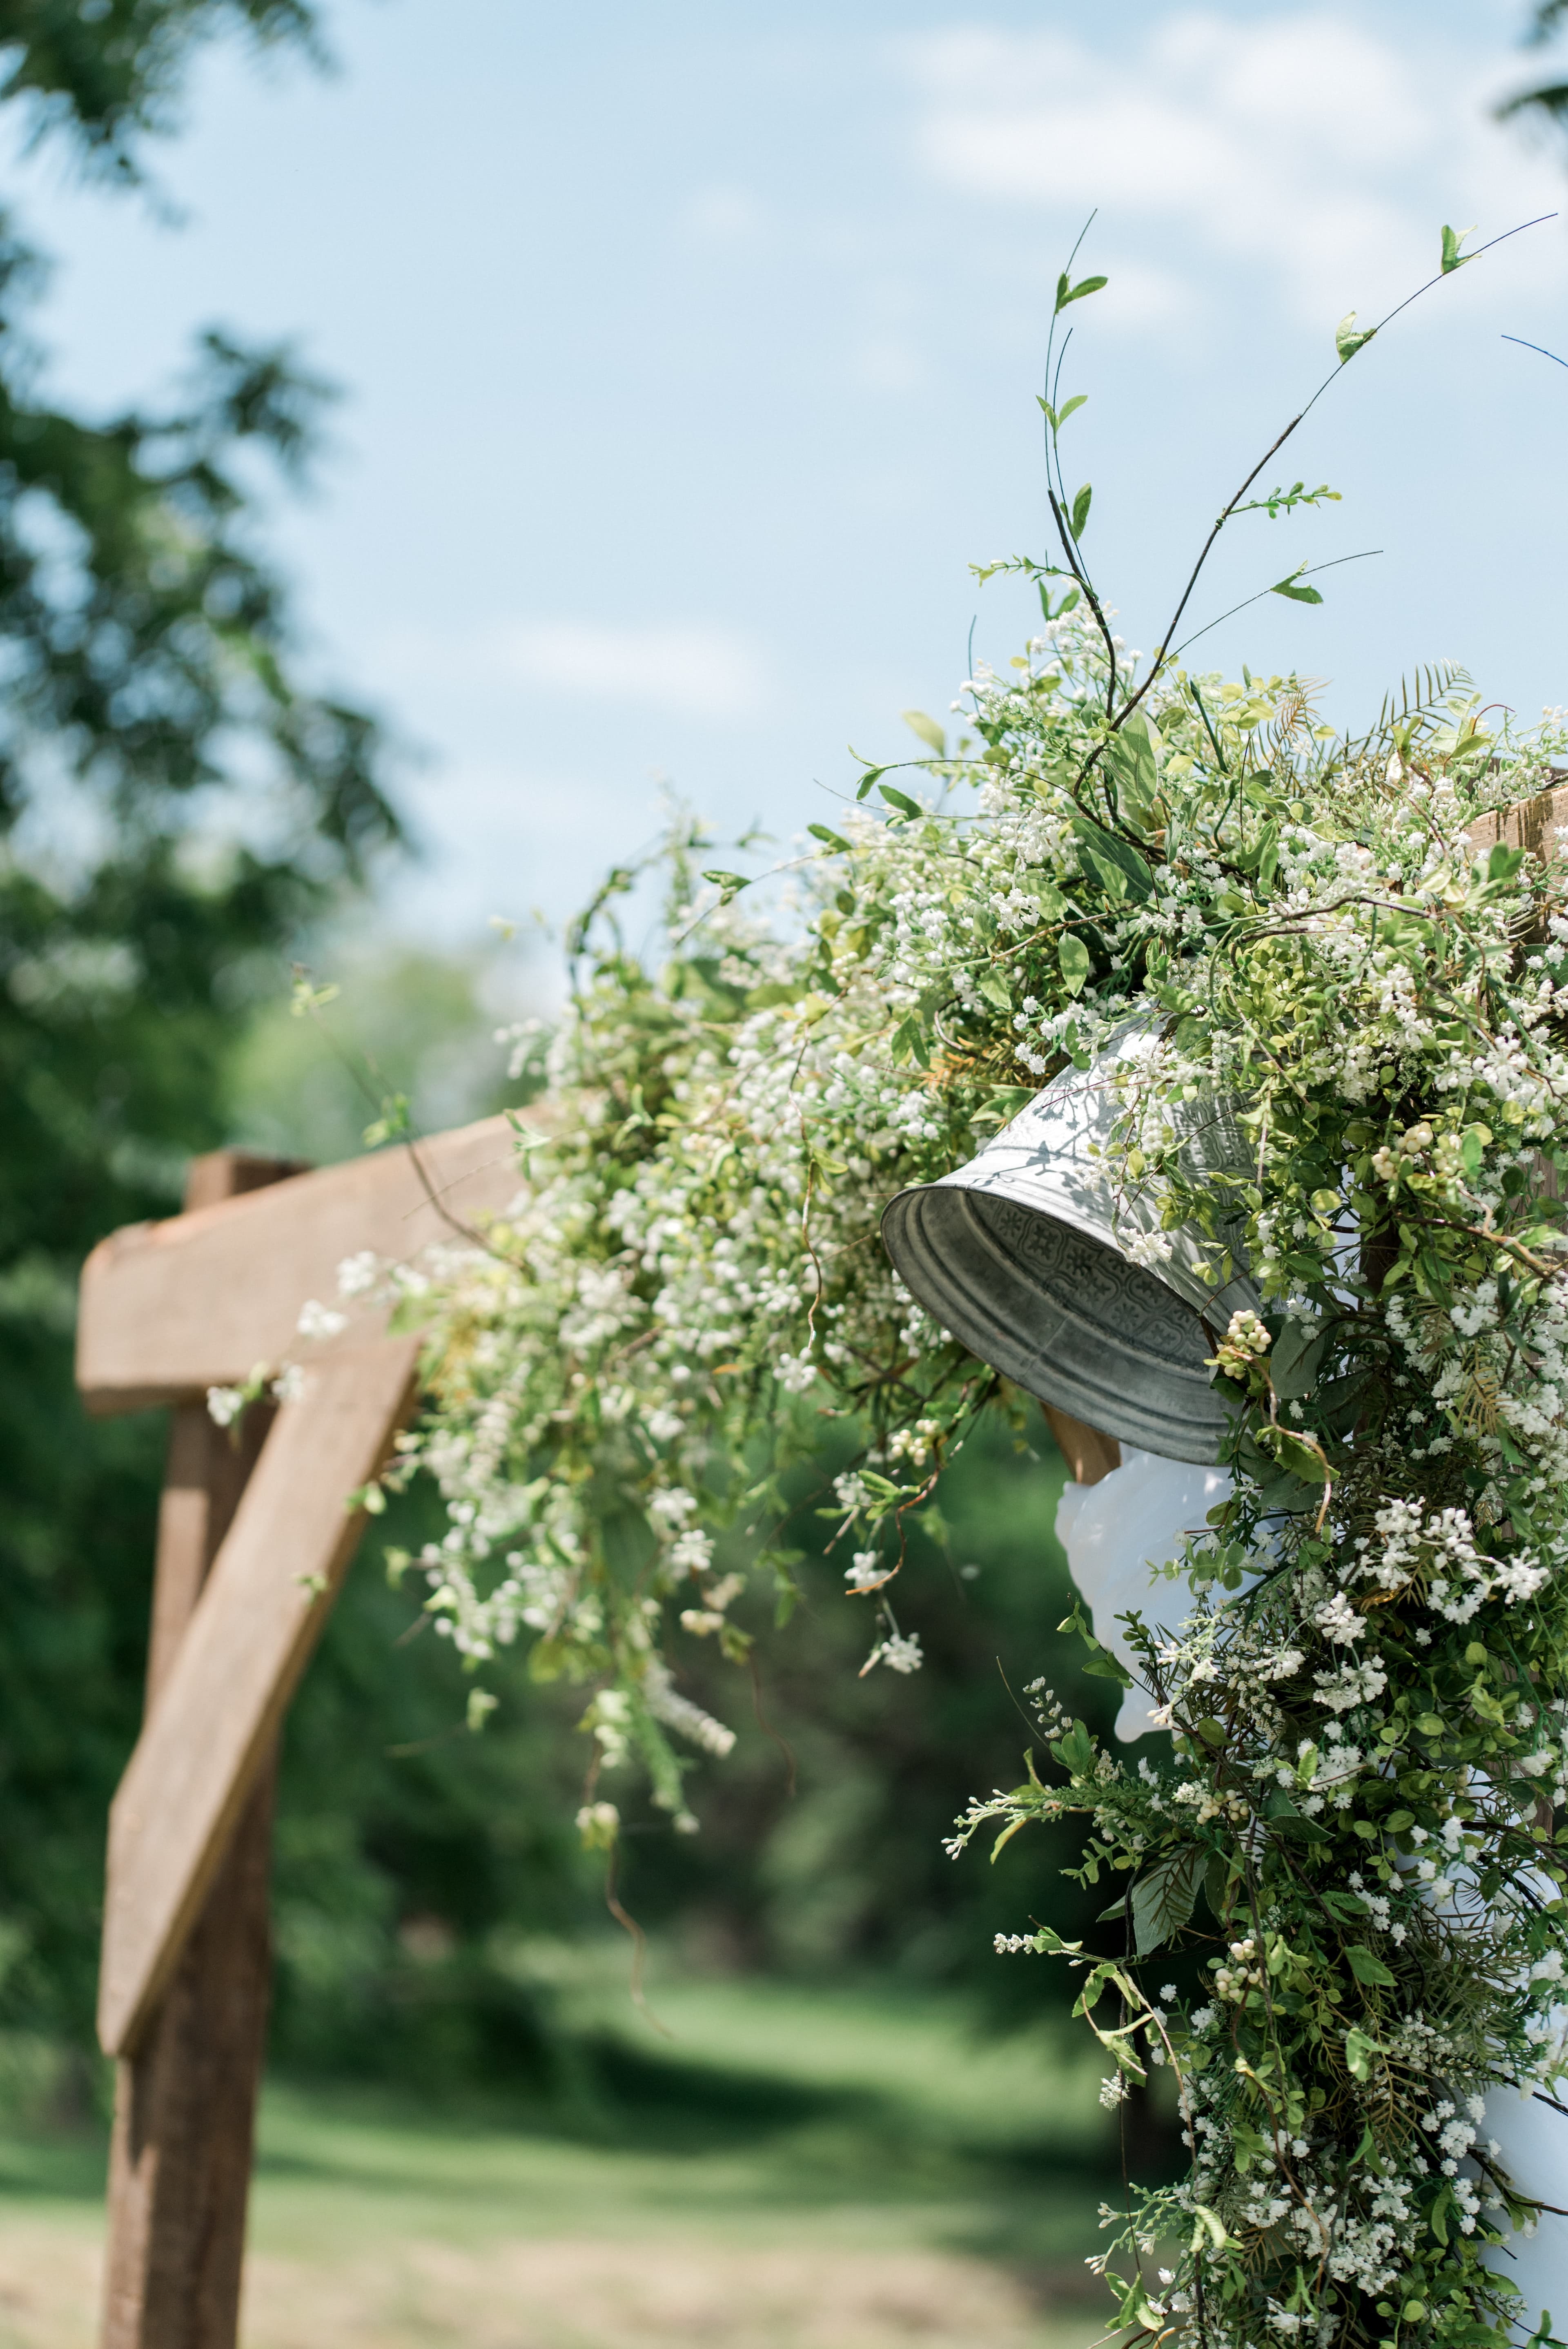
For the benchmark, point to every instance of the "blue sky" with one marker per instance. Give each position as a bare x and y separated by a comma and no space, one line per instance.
690,355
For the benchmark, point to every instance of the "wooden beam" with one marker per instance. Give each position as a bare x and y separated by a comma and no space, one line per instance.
169,1310
1087,1451
1531,825
252,1630
184,2121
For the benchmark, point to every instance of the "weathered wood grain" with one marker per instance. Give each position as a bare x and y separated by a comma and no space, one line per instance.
1531,825
253,1626
169,1310
184,2119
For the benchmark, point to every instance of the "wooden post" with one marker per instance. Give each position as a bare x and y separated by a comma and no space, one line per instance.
1088,1451
180,2163
248,1566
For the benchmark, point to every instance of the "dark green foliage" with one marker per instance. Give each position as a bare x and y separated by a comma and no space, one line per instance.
1547,98
852,1870
172,803
406,1845
105,71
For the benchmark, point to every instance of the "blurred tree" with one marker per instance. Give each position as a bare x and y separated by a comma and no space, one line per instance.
107,71
1549,97
850,1869
173,801
174,805
416,1863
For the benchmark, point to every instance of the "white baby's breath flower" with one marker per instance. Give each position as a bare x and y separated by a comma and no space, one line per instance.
318,1320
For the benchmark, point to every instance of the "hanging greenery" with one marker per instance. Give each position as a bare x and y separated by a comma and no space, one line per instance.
1367,1704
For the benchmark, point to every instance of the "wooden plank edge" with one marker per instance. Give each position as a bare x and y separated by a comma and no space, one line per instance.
385,1189
126,2006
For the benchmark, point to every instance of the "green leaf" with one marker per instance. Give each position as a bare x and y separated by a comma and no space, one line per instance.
1057,418
1366,1967
1294,1360
1163,1897
1295,1452
1081,504
995,990
392,1125
1349,339
830,839
1129,761
1283,1814
1294,590
1501,864
1109,875
732,883
1072,956
1358,2052
900,801
1075,1751
304,998
1102,1664
910,1042
929,731
1001,1105
1452,257
1051,1944
1209,2221
1472,1146
1108,850
1066,293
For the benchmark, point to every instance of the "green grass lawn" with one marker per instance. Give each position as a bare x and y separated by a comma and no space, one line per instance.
793,2169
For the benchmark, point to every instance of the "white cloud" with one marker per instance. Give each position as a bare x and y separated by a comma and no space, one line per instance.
1307,144
689,669
724,217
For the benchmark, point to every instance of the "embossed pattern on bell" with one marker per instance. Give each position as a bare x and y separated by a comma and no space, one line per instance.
1030,1257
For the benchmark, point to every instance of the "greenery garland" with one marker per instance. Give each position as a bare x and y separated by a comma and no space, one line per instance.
1368,1703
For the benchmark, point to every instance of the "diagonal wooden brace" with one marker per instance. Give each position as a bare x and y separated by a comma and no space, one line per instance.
252,1632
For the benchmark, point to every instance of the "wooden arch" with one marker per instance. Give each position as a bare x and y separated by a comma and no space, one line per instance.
254,1542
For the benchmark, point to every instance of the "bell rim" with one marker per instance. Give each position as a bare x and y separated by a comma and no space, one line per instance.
1196,1440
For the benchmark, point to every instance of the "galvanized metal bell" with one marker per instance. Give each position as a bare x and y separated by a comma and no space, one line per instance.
1030,1254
